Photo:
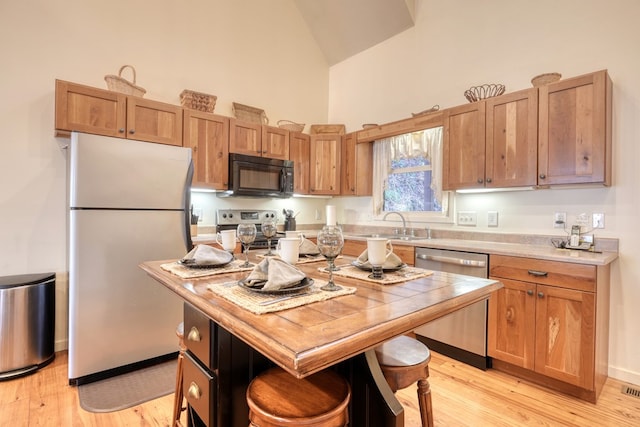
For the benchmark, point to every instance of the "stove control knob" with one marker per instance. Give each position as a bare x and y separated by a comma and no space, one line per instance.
230,215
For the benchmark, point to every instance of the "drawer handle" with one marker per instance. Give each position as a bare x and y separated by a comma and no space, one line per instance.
194,391
538,273
194,335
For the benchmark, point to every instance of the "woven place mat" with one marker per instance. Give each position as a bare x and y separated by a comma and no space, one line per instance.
251,300
303,259
190,273
389,278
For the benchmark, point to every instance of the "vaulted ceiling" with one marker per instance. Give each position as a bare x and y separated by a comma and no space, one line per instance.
344,28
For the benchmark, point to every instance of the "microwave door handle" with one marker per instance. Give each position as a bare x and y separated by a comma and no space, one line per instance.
282,179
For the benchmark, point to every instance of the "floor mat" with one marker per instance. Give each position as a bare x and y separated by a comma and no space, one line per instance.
127,390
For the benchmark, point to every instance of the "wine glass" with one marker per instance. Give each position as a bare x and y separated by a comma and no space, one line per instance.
247,235
330,242
269,230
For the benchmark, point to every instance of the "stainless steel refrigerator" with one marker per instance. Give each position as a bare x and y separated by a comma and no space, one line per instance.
128,203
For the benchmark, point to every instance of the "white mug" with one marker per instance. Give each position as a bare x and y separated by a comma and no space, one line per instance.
378,250
295,235
226,239
289,249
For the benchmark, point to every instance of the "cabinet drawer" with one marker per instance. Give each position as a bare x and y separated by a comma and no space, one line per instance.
198,335
555,273
199,388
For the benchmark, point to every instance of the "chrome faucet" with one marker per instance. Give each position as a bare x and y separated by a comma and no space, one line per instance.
404,222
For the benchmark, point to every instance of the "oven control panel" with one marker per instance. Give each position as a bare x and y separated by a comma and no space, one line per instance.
244,216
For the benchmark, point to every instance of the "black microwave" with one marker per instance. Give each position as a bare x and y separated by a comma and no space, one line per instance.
252,176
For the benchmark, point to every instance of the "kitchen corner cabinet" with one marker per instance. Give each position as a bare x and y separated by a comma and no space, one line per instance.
550,323
103,112
357,167
325,163
208,137
575,131
299,151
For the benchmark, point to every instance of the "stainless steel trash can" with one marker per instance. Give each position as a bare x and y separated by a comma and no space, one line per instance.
27,323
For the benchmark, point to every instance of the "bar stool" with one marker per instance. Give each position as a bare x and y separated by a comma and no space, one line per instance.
404,361
178,396
278,399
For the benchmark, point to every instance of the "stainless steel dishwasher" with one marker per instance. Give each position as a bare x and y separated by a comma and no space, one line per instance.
462,334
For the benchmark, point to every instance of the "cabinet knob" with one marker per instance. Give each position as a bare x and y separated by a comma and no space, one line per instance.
132,131
121,130
194,391
488,180
194,335
529,292
480,180
540,294
543,176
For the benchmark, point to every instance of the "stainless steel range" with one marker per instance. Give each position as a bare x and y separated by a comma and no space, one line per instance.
228,219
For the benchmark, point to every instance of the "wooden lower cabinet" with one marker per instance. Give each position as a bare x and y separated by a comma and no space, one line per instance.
550,323
356,247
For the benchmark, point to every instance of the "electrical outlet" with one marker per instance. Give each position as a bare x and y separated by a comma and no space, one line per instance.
492,218
598,220
467,218
559,219
318,215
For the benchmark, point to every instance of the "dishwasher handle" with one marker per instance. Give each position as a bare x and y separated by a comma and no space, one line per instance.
453,260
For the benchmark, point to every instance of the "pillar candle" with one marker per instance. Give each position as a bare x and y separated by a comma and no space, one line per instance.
331,215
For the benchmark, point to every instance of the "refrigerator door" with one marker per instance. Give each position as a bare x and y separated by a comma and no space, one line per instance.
107,172
117,314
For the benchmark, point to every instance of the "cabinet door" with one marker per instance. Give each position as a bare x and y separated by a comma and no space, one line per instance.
299,150
154,121
324,177
91,110
208,137
512,140
245,138
357,167
511,332
464,147
275,143
575,131
565,335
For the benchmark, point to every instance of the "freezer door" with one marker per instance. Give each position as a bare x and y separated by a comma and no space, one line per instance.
109,172
118,315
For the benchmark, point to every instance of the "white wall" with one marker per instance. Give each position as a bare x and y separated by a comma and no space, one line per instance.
461,43
253,52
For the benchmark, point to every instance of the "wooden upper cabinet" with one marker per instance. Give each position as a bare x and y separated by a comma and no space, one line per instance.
208,137
299,151
324,159
102,112
275,142
91,110
512,140
575,131
463,156
357,167
154,121
245,138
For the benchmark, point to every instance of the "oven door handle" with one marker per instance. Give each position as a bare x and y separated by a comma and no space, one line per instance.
450,260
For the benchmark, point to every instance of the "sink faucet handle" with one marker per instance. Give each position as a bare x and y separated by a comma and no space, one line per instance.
428,230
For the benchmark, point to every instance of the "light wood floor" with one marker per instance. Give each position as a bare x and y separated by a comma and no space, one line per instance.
462,396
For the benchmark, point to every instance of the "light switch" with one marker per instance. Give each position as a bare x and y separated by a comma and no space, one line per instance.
492,218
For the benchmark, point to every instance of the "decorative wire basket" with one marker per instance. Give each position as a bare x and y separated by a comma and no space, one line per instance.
476,93
246,113
198,101
292,126
545,79
122,85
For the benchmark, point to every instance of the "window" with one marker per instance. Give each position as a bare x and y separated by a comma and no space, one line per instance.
407,175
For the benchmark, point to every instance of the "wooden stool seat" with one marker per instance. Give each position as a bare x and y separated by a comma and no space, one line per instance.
405,361
179,396
277,399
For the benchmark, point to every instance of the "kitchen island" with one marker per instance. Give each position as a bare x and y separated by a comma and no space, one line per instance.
338,333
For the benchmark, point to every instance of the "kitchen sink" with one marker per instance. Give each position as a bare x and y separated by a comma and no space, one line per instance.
390,236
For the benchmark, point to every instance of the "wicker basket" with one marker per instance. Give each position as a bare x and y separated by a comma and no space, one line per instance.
322,129
545,79
198,101
119,84
476,93
250,114
292,126
430,110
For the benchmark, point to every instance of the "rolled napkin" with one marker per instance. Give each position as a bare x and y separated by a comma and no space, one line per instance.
207,255
274,274
308,248
392,260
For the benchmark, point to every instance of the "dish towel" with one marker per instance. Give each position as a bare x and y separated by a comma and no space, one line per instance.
207,255
273,274
392,260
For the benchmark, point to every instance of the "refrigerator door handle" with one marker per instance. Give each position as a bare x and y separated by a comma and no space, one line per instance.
187,206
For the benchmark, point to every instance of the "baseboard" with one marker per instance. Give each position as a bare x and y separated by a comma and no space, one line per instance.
625,375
